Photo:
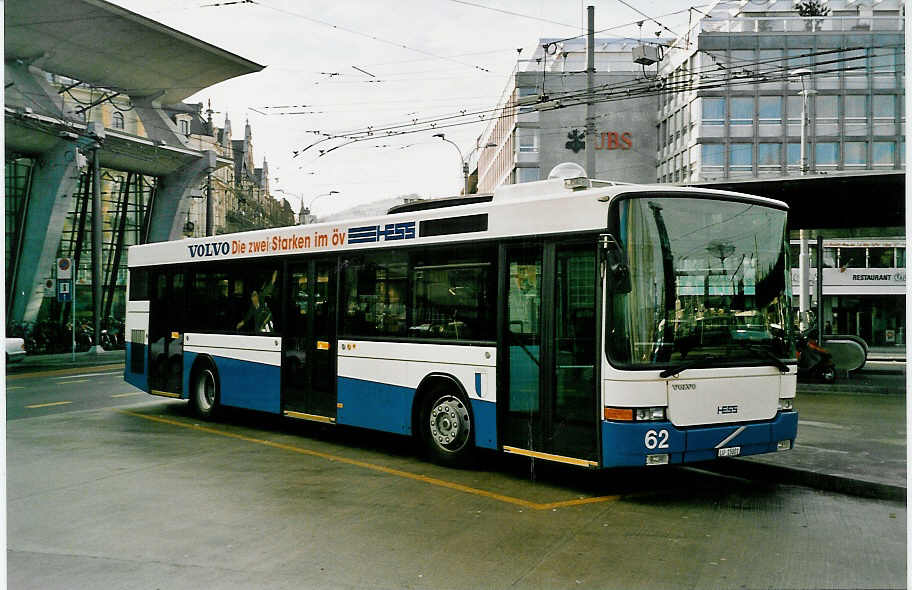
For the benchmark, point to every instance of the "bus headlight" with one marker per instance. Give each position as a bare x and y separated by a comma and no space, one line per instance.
786,403
635,414
647,414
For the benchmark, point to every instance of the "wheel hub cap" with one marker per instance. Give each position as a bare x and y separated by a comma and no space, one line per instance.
449,422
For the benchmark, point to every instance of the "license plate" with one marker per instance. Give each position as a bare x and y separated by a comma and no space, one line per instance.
730,452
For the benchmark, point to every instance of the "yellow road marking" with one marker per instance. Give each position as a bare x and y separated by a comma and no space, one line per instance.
70,371
128,394
47,405
380,468
76,381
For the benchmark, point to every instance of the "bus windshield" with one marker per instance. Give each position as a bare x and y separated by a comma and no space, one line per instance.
709,283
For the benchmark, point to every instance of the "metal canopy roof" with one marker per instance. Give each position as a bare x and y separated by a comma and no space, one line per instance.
99,43
33,135
837,200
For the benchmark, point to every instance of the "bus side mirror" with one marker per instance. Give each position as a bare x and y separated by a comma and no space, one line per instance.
615,259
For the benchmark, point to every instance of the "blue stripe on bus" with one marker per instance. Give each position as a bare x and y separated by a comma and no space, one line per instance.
378,406
138,380
485,414
624,443
243,384
189,358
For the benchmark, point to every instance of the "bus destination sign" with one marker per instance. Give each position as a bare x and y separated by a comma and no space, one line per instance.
299,242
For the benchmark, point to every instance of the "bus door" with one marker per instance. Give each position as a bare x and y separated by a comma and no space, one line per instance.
549,352
309,340
166,338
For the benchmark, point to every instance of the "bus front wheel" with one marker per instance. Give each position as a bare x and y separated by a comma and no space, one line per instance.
446,426
204,392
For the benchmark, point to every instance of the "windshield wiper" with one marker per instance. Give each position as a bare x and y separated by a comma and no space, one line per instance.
701,363
766,354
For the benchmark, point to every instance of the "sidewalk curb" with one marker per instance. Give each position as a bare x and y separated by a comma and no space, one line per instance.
779,474
39,365
848,389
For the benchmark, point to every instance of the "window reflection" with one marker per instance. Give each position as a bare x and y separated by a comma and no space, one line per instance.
708,277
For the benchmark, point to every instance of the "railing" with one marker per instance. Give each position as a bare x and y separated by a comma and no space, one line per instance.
802,24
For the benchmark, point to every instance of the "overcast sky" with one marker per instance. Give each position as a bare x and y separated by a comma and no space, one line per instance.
427,58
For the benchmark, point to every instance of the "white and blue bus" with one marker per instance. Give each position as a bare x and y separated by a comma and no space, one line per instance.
581,321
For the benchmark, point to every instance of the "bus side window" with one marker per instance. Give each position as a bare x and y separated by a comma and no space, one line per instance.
452,301
139,284
257,302
374,295
235,305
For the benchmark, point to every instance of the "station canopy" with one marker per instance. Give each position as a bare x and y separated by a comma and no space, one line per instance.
102,44
838,200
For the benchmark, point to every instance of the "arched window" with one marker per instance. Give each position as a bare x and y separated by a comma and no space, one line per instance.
117,120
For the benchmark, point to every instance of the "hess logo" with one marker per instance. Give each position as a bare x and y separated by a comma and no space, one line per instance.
727,409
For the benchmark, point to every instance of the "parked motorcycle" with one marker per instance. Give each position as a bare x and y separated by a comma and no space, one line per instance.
112,334
814,361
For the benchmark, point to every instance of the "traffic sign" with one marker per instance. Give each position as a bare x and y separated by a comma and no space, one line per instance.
64,268
64,291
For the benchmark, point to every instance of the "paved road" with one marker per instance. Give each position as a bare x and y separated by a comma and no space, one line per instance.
67,389
132,492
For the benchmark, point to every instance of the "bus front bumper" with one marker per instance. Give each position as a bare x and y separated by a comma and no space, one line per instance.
658,443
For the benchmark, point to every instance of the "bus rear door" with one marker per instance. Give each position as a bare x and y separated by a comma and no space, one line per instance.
309,340
166,349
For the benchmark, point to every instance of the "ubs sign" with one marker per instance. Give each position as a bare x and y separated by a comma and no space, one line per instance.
613,140
605,140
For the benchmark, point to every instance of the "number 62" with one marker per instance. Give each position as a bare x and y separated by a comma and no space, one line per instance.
656,440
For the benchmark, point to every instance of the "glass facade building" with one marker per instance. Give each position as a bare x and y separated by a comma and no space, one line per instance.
732,109
725,103
736,88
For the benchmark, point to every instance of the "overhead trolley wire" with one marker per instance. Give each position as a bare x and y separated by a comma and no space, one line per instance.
369,36
607,95
637,86
519,14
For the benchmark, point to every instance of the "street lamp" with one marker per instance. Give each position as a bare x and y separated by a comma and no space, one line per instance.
465,165
464,160
469,159
805,92
804,295
305,211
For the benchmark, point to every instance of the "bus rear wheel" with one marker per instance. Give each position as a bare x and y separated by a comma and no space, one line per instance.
204,392
446,427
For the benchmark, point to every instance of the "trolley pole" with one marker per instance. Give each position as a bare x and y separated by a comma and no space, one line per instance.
820,322
210,222
96,132
73,318
211,158
590,85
